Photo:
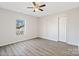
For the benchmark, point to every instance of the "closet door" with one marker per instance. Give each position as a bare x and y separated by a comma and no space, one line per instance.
62,28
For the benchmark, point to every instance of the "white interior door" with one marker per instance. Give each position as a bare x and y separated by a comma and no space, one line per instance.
62,28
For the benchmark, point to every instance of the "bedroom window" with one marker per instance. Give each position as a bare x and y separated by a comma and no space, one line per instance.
20,27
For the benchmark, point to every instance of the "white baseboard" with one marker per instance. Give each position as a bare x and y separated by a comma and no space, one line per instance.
48,38
60,41
71,43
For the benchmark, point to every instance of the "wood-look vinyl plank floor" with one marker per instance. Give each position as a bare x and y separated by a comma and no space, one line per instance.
39,47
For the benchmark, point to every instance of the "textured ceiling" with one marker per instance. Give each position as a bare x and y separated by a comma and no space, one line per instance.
51,7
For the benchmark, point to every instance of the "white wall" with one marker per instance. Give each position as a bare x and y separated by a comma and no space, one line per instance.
73,26
8,27
48,26
45,27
